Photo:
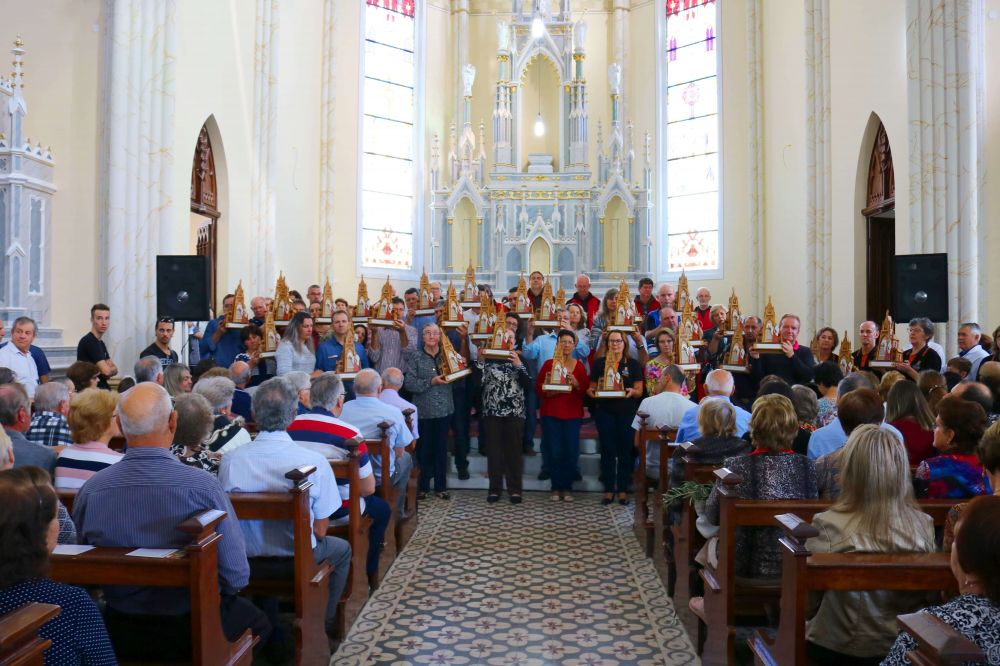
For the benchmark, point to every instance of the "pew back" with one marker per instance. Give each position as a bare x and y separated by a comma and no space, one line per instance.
20,644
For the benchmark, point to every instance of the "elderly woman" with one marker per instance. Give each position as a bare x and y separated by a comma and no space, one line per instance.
92,423
875,513
433,398
28,530
303,385
907,411
84,375
975,561
656,366
718,440
919,356
989,456
296,351
504,385
177,379
956,473
194,423
227,428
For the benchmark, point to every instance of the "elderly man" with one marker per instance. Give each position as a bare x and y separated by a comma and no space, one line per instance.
41,360
91,347
161,345
665,296
48,425
15,415
969,336
591,304
239,372
227,433
321,431
261,466
220,343
138,503
17,355
795,362
718,384
703,308
747,383
392,382
665,409
258,306
148,369
865,354
979,393
314,294
365,412
832,436
387,343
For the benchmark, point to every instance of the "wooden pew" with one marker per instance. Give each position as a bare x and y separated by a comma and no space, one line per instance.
197,569
308,587
725,597
410,507
20,644
681,568
355,532
938,643
644,514
804,572
386,490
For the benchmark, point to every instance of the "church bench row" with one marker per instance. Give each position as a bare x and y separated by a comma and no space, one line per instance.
197,569
804,572
20,644
645,515
727,598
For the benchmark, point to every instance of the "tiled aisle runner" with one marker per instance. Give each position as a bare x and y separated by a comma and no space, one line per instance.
540,583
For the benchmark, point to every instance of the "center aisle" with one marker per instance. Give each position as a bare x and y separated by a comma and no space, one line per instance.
538,583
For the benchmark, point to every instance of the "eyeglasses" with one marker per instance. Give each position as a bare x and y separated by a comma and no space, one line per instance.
165,320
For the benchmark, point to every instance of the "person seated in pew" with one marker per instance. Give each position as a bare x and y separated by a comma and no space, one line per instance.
92,424
194,424
770,472
989,456
778,386
827,376
261,466
666,408
975,561
718,441
321,431
857,408
138,503
67,530
875,513
956,472
907,411
15,415
831,437
48,423
228,433
29,526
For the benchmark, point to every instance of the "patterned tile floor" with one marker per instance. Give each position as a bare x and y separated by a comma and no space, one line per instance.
540,583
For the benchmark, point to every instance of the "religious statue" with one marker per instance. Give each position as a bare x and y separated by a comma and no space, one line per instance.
452,364
683,295
615,78
363,309
610,384
271,337
846,358
483,331
547,311
736,355
501,343
557,381
579,35
237,316
381,313
733,316
282,304
425,307
349,363
522,304
452,315
687,359
690,327
887,352
469,289
503,36
468,78
560,299
326,304
770,342
623,314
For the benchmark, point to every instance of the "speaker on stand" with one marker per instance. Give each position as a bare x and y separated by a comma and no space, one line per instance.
921,287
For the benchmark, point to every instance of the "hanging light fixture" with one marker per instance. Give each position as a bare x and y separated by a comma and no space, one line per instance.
537,26
539,123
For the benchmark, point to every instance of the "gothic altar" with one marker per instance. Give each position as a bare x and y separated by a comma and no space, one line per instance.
536,211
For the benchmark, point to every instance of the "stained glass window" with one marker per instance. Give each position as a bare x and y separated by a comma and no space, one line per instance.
691,114
388,170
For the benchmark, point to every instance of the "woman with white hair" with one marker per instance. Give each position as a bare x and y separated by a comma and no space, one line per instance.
433,397
194,423
227,431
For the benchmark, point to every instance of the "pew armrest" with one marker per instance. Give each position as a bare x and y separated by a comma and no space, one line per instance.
938,642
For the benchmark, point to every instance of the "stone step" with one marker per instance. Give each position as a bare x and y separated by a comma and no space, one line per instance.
590,468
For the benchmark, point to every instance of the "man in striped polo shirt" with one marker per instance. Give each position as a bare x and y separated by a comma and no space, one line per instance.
320,430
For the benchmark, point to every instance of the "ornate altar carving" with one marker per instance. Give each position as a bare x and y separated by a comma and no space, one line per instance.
881,179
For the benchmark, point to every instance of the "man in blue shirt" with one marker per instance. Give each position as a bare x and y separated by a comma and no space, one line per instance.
834,435
330,350
220,343
719,384
260,467
138,503
41,360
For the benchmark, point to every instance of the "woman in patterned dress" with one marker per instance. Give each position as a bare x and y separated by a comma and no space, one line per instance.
504,385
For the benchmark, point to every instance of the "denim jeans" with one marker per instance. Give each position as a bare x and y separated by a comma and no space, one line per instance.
561,437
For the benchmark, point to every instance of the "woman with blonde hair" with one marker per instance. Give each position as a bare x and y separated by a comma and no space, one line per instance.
92,424
889,380
907,411
875,513
934,387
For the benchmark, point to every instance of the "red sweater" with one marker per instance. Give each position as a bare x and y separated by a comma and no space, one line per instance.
919,442
591,305
563,405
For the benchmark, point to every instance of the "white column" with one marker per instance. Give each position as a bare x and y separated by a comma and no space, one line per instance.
460,12
265,146
140,154
755,136
945,101
327,165
818,168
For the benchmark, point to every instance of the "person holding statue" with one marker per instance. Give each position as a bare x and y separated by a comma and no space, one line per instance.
330,350
795,362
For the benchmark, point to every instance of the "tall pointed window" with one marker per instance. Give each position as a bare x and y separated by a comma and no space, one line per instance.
390,177
690,128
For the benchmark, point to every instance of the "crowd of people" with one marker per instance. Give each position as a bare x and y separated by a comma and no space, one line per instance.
236,418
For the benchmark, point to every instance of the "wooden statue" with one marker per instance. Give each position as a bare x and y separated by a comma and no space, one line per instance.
426,305
770,342
610,384
887,352
380,314
691,327
623,315
845,355
326,304
683,295
547,312
271,337
736,355
469,289
282,305
362,311
483,330
452,315
522,304
685,350
452,364
237,317
733,316
349,363
557,381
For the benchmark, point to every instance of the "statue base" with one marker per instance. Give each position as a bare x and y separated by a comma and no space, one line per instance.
689,367
481,337
453,324
468,305
767,348
373,321
424,312
557,388
236,325
359,320
455,376
623,328
526,315
497,354
267,354
736,369
546,323
609,394
347,376
882,365
323,320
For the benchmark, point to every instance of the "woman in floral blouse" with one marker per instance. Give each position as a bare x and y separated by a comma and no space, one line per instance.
504,386
194,423
656,366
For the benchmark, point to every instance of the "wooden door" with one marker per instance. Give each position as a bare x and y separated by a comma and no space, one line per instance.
880,222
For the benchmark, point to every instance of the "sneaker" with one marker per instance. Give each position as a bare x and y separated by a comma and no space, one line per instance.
444,495
544,476
515,499
463,475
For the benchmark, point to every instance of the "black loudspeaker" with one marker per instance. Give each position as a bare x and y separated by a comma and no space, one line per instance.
182,287
921,286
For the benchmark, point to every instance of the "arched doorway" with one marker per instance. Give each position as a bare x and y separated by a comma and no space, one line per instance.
880,227
205,208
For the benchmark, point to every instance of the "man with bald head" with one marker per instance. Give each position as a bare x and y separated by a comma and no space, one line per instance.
586,300
979,393
868,336
138,503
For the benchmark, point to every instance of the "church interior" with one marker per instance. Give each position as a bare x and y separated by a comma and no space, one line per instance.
827,158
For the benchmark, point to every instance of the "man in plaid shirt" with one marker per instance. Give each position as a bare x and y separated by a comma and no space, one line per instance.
48,425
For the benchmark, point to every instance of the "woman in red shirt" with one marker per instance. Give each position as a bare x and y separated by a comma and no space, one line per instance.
907,411
562,414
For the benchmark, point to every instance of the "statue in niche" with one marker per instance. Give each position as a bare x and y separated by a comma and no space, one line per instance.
468,78
556,221
579,218
543,8
538,222
522,222
503,36
501,223
615,78
579,35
